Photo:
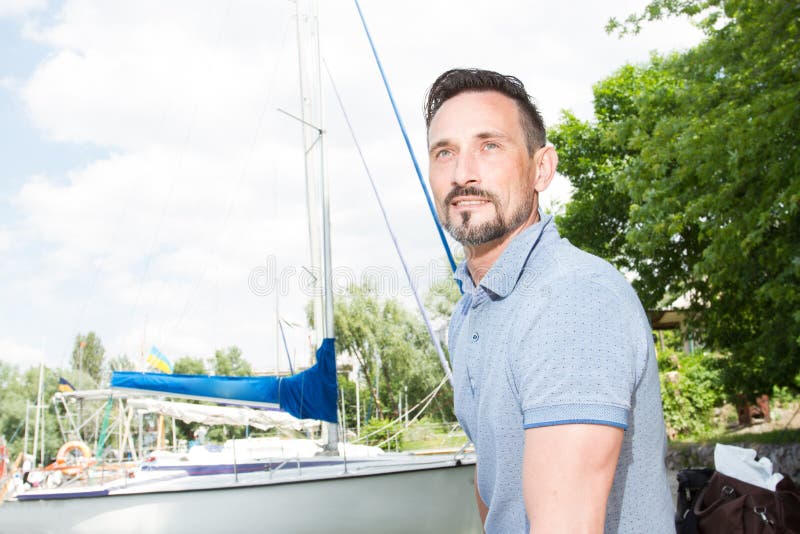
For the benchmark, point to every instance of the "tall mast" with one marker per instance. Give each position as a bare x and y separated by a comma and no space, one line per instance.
277,327
36,436
311,116
317,191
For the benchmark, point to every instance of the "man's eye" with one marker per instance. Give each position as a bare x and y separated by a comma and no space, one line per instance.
490,146
443,153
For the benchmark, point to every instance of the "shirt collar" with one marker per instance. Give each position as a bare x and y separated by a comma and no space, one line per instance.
503,275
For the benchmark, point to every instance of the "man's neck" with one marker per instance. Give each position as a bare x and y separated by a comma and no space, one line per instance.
481,258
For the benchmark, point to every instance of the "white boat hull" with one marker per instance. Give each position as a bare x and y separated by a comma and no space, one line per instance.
420,496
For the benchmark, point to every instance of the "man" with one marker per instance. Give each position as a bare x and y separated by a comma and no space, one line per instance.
555,373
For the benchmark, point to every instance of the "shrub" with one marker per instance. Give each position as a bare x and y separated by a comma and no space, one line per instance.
690,390
783,396
383,431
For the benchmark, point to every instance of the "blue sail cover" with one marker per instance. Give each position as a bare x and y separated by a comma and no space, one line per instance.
310,394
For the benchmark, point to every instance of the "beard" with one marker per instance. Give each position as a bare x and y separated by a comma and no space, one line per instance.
469,234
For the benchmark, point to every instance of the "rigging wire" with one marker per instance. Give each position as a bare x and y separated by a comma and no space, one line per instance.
408,142
179,164
416,417
434,338
285,346
90,294
269,95
426,400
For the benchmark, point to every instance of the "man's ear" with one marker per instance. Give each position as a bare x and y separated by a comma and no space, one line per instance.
545,162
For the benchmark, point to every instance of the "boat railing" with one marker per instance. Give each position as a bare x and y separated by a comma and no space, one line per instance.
281,465
462,452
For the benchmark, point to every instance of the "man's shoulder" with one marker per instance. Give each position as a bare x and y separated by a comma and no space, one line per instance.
565,265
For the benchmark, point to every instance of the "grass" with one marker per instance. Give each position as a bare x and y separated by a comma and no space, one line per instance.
438,442
784,428
428,434
774,437
780,437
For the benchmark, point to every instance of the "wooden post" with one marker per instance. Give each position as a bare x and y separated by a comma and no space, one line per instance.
763,404
743,409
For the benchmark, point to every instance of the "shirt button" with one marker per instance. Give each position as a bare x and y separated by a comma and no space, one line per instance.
475,337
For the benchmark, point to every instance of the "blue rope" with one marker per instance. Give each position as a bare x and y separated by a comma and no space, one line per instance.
408,143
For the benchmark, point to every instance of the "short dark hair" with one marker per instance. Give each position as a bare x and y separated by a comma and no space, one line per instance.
456,81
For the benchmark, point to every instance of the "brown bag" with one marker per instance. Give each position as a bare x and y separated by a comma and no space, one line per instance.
730,506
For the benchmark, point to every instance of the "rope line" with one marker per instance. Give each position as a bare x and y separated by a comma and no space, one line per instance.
408,142
179,159
286,347
425,400
416,417
425,318
231,201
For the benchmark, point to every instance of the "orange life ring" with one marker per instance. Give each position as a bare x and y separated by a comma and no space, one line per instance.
65,453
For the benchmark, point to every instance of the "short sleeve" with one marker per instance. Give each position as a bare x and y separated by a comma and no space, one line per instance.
576,360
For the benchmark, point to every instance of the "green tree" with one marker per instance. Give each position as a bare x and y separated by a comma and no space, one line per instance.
18,389
689,176
87,356
690,391
393,351
442,298
190,366
598,157
14,399
123,362
230,362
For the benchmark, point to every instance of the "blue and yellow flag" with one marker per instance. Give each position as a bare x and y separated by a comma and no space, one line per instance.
158,361
64,386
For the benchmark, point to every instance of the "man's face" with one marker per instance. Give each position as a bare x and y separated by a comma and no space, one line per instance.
480,171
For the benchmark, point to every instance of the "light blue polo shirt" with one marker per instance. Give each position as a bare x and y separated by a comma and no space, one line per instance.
553,336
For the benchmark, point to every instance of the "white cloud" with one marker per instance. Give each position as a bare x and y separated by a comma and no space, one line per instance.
556,196
144,74
18,353
151,237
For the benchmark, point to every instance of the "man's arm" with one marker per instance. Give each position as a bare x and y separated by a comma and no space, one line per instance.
483,510
567,473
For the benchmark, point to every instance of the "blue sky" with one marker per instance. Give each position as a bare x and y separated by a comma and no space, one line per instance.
18,61
146,174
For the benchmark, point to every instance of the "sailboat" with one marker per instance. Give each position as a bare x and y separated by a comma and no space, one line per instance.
391,493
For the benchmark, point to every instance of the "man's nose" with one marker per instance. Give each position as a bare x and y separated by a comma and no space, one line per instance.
466,171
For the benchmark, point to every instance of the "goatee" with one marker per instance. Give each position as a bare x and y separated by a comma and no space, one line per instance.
472,235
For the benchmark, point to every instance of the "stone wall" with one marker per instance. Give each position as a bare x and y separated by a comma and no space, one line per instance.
785,458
